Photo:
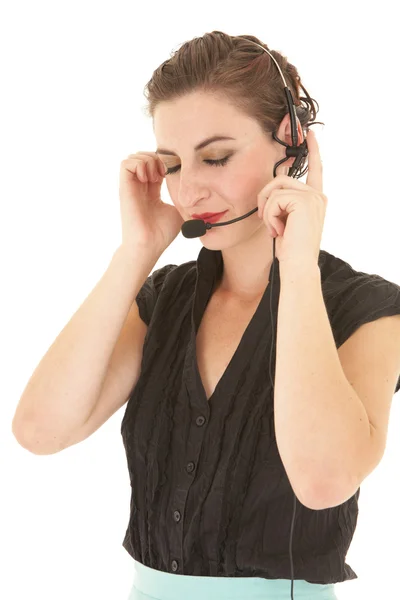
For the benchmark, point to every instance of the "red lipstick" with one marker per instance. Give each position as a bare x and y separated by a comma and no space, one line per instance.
209,217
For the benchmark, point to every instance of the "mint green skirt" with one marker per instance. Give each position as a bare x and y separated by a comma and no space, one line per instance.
150,584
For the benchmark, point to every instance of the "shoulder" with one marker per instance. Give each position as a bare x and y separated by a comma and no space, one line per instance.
171,274
338,275
354,297
169,281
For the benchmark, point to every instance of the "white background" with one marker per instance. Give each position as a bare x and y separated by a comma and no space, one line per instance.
71,105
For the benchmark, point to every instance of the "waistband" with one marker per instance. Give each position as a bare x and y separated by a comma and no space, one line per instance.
170,586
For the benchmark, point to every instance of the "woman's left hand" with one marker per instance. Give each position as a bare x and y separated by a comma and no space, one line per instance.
294,212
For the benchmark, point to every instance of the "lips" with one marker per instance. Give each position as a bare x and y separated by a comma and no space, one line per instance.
208,215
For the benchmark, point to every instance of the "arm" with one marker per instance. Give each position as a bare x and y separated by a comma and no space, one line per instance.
65,387
322,428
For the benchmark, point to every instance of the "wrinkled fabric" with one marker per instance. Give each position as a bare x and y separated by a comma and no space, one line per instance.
209,492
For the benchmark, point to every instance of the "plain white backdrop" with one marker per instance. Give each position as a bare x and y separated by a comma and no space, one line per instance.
72,101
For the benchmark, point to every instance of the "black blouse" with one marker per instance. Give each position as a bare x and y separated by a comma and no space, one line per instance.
209,492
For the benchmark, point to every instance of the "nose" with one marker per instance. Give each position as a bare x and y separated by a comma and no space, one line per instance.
191,192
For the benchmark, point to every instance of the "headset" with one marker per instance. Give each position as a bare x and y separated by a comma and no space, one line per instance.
197,228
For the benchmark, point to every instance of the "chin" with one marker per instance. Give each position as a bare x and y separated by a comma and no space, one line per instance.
217,239
211,243
220,238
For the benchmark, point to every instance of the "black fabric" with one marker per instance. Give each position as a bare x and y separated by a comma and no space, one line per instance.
209,492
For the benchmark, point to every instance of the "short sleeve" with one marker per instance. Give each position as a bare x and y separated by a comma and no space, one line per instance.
149,292
359,299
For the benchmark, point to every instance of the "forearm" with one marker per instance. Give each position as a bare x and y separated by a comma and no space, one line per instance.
65,386
321,424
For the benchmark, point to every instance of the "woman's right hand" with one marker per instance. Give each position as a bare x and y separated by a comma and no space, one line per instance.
147,221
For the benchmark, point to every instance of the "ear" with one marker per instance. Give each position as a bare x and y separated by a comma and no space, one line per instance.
285,134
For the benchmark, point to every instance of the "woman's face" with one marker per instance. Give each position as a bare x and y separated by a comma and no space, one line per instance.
197,186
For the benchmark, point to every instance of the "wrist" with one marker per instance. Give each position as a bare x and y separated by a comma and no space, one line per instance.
299,268
136,254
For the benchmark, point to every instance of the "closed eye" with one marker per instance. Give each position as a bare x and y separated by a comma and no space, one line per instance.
216,163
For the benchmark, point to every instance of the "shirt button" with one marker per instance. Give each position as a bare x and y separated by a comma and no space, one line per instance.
200,421
174,565
190,467
177,516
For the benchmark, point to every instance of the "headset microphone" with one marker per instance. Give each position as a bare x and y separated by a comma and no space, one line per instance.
197,227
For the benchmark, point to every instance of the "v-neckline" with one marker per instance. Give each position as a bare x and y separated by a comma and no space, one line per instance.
237,350
242,355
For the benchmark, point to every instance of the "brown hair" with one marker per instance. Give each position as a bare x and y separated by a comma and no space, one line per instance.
238,71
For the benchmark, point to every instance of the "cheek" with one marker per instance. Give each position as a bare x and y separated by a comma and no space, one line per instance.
172,192
247,188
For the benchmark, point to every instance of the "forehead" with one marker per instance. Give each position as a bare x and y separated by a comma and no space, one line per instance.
196,116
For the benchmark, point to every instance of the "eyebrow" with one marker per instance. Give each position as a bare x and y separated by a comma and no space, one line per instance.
214,138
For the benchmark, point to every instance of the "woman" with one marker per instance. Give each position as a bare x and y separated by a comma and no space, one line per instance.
216,458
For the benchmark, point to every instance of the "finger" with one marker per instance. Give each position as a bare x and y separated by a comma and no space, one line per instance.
315,169
160,165
282,182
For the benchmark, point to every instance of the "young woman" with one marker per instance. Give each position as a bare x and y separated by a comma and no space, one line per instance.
218,451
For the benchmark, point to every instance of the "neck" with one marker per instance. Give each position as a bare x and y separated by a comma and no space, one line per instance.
246,268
